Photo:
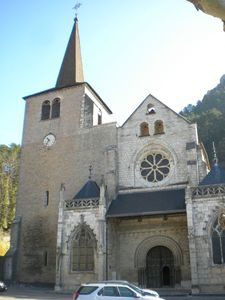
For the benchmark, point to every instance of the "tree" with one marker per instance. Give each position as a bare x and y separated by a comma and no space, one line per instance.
209,114
9,168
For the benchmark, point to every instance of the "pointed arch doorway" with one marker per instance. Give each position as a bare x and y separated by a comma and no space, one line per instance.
160,267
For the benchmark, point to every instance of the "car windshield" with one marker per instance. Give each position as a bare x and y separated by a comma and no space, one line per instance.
136,288
85,290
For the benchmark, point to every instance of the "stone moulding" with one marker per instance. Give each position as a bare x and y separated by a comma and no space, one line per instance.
81,203
153,241
205,191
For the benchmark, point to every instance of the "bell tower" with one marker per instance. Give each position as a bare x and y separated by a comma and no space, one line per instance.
61,138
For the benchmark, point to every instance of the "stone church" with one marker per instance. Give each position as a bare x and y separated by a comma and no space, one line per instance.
99,201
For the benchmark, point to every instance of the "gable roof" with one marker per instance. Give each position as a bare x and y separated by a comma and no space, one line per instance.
150,95
89,190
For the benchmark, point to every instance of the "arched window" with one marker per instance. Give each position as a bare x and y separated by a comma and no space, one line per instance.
150,109
144,130
45,110
218,240
83,251
46,199
45,258
56,108
99,117
159,127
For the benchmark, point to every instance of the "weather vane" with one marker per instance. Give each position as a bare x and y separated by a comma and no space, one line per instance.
76,7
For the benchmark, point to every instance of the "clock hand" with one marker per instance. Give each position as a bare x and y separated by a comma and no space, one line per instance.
47,140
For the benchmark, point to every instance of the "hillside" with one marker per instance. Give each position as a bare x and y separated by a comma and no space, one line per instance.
209,113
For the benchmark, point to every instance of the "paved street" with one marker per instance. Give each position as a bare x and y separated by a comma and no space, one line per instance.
32,293
35,293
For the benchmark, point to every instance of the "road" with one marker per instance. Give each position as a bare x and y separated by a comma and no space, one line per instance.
35,293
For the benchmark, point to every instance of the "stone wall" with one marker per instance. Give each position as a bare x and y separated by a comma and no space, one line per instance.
175,140
211,277
135,237
44,169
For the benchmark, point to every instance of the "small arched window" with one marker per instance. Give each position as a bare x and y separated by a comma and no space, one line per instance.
45,258
83,251
46,199
45,110
218,240
99,117
150,109
159,127
56,108
144,130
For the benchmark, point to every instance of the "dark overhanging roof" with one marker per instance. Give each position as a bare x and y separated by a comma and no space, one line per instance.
89,190
147,203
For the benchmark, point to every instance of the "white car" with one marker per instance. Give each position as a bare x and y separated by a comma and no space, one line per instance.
3,286
136,288
108,290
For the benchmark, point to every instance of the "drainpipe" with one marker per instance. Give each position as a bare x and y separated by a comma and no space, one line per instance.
106,252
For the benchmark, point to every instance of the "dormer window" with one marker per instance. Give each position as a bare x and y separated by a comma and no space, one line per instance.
150,109
144,130
159,127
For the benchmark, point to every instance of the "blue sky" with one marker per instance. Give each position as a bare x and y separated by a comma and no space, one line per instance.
129,48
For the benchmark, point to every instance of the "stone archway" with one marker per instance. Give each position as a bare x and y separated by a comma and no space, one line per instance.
169,270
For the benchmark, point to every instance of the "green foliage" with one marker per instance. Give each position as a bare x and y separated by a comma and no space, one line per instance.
209,114
9,168
4,244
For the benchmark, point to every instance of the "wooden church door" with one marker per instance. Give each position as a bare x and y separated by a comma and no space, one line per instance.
160,267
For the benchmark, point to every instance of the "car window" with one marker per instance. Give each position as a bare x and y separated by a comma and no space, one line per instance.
86,290
134,287
109,291
125,292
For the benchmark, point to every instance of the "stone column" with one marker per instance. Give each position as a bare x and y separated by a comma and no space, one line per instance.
59,243
192,242
11,261
102,234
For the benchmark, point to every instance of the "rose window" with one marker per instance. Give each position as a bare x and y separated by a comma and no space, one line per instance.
155,167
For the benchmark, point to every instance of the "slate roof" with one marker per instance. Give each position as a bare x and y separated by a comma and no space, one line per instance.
71,70
147,203
215,176
89,190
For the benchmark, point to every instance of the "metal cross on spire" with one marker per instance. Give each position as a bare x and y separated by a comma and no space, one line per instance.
76,7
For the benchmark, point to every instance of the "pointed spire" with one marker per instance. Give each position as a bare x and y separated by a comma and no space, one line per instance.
215,159
71,71
90,172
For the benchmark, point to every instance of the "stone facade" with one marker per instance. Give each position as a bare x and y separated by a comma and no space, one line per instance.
203,208
97,201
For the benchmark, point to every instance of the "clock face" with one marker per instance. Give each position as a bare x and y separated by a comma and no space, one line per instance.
49,140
